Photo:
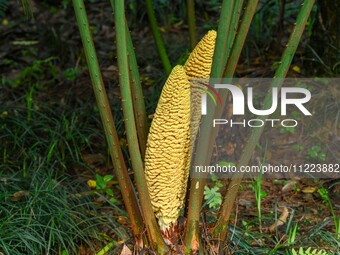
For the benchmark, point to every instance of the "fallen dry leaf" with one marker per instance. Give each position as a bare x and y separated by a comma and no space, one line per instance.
309,190
244,202
93,159
126,250
230,149
290,185
18,195
281,221
296,69
91,183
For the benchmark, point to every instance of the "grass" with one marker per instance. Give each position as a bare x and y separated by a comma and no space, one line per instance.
50,134
45,205
245,239
39,216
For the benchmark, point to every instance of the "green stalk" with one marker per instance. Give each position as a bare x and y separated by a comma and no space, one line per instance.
121,172
192,23
235,20
230,67
236,39
220,230
223,45
158,38
137,95
137,92
233,57
152,229
191,234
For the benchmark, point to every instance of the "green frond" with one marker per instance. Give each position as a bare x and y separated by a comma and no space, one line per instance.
309,251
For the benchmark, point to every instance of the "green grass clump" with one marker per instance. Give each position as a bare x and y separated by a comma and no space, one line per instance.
40,214
43,209
56,136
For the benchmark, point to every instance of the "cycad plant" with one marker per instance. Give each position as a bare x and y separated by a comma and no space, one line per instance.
161,187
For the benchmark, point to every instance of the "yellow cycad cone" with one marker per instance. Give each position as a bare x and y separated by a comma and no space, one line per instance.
198,67
167,149
167,157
